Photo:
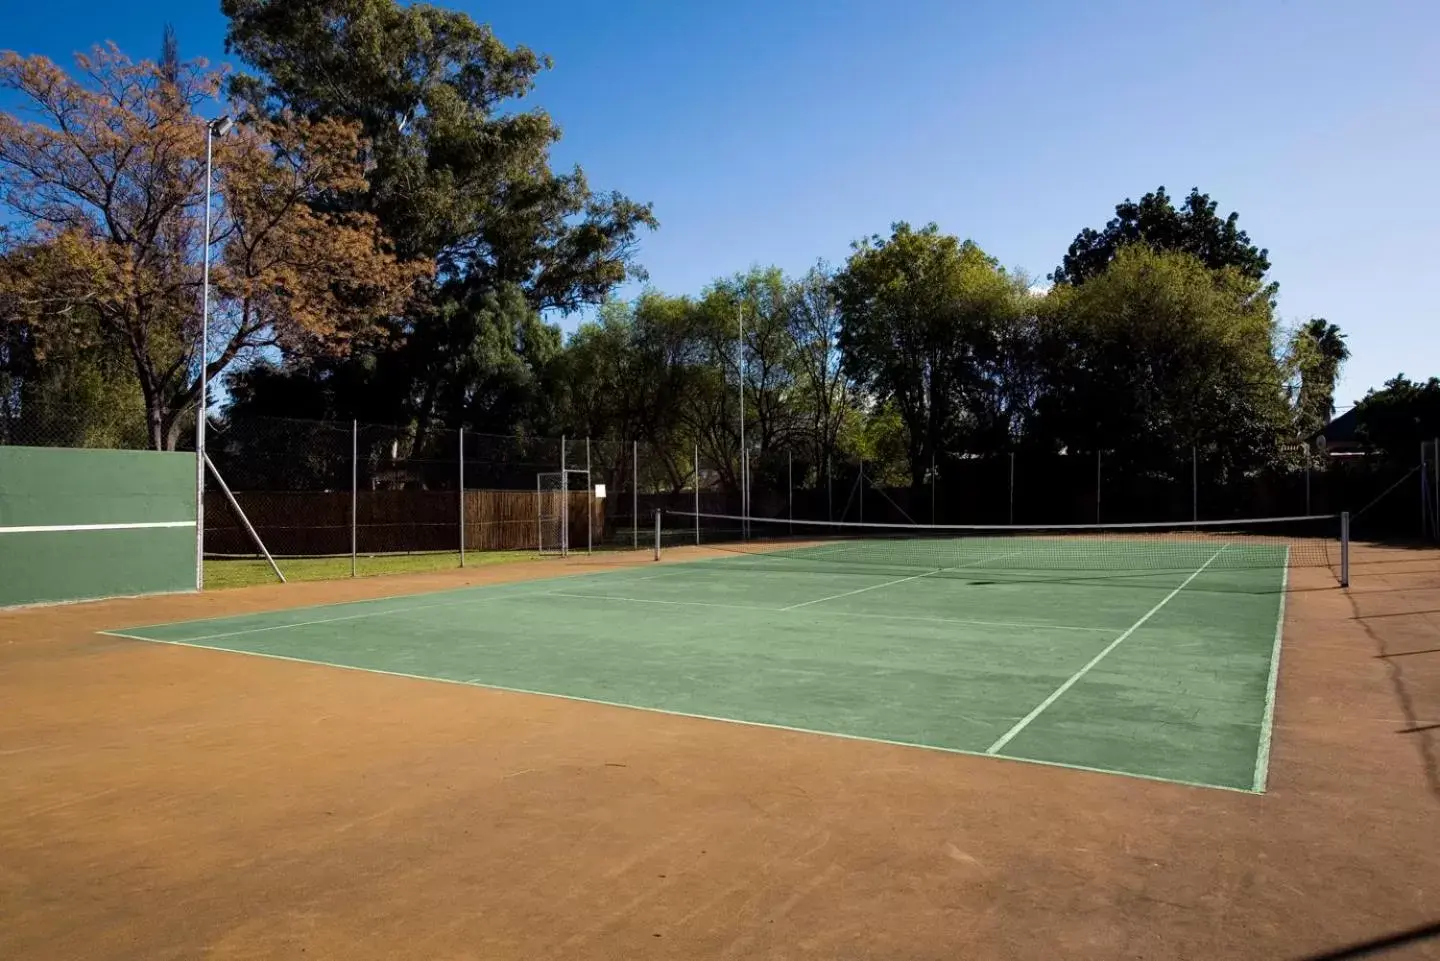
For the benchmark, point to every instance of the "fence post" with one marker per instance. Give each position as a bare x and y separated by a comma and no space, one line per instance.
1435,483
1097,486
1194,484
462,497
657,532
861,488
932,488
1307,482
790,488
635,494
564,503
697,495
1012,487
589,503
354,498
829,492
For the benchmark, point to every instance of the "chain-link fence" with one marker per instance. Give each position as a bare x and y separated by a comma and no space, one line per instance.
335,498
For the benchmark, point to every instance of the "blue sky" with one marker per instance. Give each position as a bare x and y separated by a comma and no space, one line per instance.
777,132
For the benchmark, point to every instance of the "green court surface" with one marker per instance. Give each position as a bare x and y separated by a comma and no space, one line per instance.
1163,669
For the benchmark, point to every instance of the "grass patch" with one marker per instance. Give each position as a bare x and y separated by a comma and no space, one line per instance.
247,572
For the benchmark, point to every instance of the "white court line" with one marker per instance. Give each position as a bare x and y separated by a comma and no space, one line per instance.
475,682
322,620
1267,721
1055,695
900,580
781,610
65,528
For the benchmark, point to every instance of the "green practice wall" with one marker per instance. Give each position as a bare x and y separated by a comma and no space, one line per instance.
48,487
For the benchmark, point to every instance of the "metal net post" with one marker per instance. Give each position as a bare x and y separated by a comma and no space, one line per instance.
1345,549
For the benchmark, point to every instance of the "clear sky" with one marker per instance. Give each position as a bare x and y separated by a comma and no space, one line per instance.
777,131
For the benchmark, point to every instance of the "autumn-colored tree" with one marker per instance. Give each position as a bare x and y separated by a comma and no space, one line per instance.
106,171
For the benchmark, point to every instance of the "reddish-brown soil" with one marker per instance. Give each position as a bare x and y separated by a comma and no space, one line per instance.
161,802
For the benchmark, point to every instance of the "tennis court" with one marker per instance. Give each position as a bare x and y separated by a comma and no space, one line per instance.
1148,653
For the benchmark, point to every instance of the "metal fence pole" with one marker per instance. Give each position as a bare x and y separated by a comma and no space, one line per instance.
1307,482
354,498
1435,482
657,532
790,488
829,491
589,503
462,497
1097,487
1194,484
635,495
932,489
861,488
1012,487
697,495
564,503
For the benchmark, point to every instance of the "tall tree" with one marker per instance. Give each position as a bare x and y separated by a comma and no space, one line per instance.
1398,417
921,311
109,181
825,396
1158,353
1316,352
457,169
1193,229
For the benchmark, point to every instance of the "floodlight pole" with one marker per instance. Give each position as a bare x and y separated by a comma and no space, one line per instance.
744,459
216,128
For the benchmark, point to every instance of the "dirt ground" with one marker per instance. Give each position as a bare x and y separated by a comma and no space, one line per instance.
160,802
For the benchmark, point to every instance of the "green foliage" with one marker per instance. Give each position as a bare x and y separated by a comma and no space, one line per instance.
1315,353
1194,229
457,173
1398,417
927,323
1158,353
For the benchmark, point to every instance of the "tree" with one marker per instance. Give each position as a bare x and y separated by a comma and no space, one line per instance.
455,169
1398,417
922,315
1194,229
1316,352
1158,353
109,180
456,172
825,397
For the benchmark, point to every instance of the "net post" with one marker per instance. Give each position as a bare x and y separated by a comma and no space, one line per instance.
1345,549
235,506
635,495
589,503
697,495
657,533
462,497
354,498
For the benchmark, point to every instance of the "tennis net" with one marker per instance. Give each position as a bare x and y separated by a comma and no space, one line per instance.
977,552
